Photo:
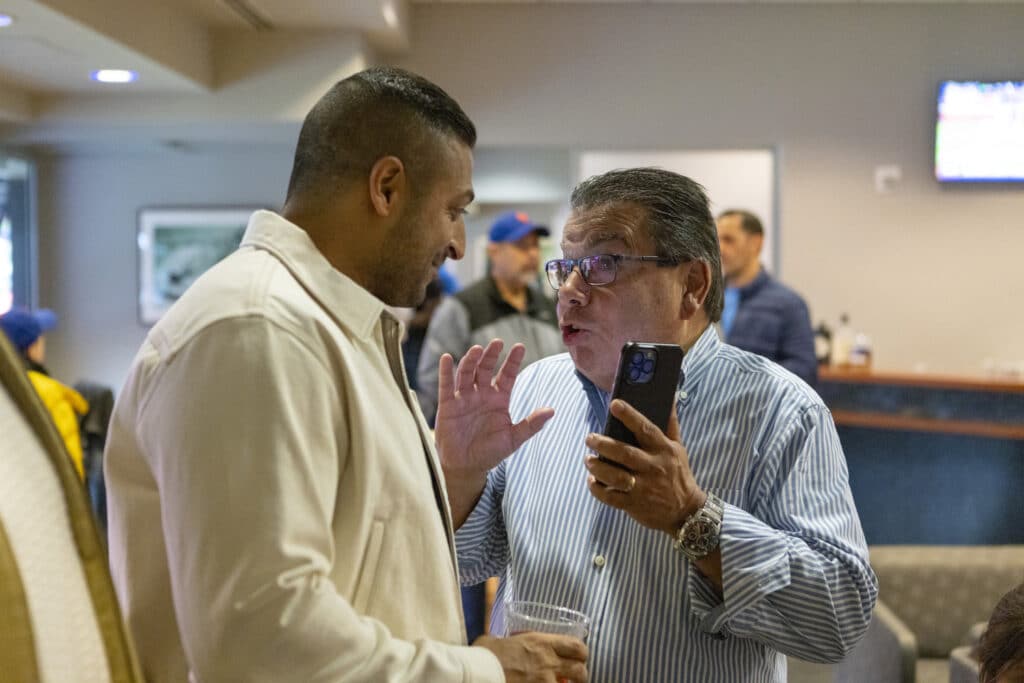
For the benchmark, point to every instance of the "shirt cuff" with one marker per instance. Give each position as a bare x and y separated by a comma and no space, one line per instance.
480,665
755,564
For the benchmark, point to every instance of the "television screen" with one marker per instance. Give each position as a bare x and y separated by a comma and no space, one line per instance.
980,132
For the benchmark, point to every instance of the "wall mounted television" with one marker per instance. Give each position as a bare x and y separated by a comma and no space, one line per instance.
979,136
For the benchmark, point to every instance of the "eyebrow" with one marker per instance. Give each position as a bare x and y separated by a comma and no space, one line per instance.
598,236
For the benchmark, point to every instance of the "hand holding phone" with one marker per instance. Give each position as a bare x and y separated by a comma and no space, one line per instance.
647,379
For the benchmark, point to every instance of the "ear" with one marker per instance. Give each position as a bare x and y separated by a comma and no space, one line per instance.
388,185
698,282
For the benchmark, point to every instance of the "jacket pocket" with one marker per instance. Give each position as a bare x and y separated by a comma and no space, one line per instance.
368,574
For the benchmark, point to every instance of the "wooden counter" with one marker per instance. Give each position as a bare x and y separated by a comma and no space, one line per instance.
932,459
919,379
972,406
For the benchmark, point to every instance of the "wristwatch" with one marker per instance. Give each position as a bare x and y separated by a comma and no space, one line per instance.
699,535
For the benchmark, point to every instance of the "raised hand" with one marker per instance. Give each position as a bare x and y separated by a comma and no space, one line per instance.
474,431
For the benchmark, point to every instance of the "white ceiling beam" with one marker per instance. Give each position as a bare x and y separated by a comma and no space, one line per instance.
265,82
159,31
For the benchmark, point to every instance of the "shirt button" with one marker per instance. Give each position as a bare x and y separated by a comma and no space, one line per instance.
682,395
599,561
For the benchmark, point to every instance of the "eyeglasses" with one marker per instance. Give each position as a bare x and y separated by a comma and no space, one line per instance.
597,270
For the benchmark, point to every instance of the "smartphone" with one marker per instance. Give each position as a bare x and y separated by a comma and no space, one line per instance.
647,379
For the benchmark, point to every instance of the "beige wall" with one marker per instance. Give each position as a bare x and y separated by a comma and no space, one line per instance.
931,272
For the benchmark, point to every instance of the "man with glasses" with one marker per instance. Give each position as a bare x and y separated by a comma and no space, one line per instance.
504,304
707,552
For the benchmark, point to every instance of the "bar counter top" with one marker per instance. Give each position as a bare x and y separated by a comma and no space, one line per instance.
920,379
971,406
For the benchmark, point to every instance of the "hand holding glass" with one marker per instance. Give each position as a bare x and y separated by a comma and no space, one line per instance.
535,616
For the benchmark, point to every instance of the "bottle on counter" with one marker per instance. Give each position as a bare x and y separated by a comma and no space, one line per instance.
860,352
823,343
842,343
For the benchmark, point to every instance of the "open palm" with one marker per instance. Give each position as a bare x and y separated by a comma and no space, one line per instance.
474,431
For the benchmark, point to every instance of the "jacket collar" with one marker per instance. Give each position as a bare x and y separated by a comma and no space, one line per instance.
351,306
755,285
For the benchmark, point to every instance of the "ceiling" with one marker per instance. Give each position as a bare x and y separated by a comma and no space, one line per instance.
235,62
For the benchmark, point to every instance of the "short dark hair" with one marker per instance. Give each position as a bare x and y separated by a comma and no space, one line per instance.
750,223
677,216
1002,645
377,112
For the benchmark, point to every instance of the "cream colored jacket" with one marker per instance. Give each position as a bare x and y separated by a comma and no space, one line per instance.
277,510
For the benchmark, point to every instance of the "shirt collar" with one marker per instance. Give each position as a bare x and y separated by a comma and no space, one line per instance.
351,306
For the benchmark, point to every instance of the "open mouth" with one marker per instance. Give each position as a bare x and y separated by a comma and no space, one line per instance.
571,333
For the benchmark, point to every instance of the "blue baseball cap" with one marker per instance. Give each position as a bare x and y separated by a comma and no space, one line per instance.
514,226
23,327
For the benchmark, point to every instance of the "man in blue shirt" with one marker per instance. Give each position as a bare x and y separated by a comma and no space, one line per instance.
761,314
713,549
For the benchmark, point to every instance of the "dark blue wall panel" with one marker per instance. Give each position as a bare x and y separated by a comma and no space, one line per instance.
923,488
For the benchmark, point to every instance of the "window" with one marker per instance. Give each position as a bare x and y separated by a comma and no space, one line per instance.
15,233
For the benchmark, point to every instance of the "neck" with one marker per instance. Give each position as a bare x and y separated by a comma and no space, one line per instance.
332,234
745,276
693,329
514,292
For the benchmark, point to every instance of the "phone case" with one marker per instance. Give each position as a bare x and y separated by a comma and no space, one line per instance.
649,389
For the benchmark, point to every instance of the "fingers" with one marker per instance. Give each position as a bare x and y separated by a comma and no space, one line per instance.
485,368
526,428
611,475
510,368
609,496
618,453
477,365
465,374
673,432
568,647
646,432
445,378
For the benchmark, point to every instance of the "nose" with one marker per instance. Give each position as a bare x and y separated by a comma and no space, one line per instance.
574,291
457,244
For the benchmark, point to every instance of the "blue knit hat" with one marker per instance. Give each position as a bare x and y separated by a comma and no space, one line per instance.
23,327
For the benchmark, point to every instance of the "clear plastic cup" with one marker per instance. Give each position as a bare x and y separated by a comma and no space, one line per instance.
536,616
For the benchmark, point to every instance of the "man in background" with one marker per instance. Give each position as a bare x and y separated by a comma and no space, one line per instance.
276,505
505,304
761,314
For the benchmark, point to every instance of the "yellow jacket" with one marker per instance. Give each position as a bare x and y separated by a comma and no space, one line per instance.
65,406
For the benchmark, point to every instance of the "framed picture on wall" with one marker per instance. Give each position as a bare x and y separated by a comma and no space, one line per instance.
176,246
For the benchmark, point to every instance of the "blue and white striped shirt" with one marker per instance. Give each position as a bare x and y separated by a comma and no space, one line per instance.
794,560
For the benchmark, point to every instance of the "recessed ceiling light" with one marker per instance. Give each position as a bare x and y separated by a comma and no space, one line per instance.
5,20
114,76
390,15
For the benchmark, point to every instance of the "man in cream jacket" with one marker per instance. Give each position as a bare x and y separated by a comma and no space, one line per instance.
277,508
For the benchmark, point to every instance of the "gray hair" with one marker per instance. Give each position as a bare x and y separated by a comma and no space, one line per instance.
678,217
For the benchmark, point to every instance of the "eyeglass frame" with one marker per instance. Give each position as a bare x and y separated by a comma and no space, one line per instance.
616,258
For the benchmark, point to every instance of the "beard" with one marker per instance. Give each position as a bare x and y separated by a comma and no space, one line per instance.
402,284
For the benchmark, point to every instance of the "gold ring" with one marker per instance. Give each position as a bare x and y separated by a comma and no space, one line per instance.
632,482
